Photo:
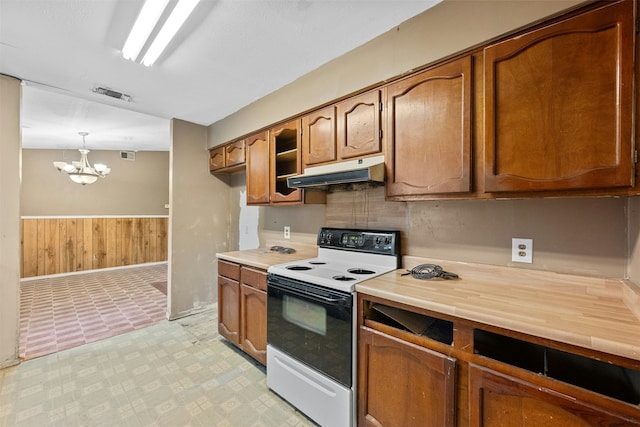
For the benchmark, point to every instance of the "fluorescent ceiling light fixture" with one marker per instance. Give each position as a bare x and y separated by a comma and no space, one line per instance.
146,21
179,14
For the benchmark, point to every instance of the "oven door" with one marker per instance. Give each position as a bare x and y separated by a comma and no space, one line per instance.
312,324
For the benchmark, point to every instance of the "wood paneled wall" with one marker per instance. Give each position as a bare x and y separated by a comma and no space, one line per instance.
63,245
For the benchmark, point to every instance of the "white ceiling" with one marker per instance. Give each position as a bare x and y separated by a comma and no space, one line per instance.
228,54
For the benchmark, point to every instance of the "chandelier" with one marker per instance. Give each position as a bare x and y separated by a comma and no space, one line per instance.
82,172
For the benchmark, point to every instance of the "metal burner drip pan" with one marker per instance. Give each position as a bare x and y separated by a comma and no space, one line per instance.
343,278
360,271
298,267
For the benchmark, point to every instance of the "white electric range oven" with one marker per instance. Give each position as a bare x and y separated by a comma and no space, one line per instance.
311,321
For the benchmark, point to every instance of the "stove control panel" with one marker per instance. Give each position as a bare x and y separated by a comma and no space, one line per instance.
373,241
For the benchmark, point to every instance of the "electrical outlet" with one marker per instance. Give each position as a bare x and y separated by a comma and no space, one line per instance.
522,250
287,232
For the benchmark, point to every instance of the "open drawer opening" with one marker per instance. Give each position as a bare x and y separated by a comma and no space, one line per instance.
611,380
420,324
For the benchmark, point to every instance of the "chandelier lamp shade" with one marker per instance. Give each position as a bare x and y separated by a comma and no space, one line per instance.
81,171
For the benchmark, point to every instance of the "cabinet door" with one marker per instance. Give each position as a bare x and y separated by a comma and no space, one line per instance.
501,400
402,384
429,132
234,154
319,137
258,169
558,105
253,309
359,121
285,161
229,309
216,158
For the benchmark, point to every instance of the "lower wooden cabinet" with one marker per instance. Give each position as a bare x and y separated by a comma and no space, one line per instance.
228,301
403,384
421,368
253,313
499,399
242,308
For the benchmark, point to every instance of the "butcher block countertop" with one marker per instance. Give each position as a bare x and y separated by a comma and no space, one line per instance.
594,313
262,258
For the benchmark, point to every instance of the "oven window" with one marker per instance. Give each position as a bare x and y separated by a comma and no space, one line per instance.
312,317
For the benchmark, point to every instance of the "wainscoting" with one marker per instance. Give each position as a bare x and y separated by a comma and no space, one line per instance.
54,245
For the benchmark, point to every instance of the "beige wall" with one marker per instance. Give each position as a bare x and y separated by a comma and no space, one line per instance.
10,91
134,187
198,224
579,235
451,26
633,239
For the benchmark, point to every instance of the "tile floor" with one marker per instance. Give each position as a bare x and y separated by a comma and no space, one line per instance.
177,373
63,312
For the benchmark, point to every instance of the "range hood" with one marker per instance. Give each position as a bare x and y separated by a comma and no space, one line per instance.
369,169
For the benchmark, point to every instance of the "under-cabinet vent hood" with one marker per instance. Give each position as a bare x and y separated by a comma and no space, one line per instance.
369,169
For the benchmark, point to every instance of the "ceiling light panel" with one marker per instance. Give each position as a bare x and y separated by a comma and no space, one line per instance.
145,23
179,14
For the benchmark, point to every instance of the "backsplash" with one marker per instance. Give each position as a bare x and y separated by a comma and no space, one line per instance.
571,235
579,235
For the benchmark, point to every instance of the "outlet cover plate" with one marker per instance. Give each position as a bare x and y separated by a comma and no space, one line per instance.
287,232
522,250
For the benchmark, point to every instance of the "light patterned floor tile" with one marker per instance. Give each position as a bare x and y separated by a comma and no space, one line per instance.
175,374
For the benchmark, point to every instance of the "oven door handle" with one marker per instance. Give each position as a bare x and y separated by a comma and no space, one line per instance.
344,301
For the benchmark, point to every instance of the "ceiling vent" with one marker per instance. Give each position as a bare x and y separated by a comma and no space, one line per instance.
112,93
128,155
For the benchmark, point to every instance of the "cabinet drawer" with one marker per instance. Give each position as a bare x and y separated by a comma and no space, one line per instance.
254,278
229,269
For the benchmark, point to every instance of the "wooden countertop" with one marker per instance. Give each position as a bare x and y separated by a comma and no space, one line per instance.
263,258
595,313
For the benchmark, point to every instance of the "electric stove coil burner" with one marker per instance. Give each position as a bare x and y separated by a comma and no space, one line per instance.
360,271
343,278
298,268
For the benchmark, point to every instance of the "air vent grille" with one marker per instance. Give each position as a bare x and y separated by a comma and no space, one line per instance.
112,93
128,155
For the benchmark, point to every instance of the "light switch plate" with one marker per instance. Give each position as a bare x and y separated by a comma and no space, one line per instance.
522,250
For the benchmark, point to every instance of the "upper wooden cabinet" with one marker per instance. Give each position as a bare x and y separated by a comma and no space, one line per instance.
429,132
284,142
359,125
272,157
558,105
258,169
227,158
216,158
319,137
544,112
234,154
